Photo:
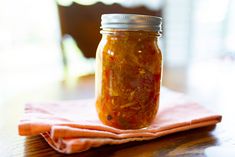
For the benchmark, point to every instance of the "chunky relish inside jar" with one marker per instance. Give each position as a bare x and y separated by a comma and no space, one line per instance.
128,78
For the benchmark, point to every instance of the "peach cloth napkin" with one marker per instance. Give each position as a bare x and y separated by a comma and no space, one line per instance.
73,126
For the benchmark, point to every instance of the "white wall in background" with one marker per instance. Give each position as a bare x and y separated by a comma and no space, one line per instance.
197,30
29,50
177,31
209,28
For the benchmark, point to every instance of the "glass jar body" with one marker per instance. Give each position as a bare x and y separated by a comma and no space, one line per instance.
128,78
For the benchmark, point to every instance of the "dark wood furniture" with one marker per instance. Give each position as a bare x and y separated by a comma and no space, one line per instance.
82,22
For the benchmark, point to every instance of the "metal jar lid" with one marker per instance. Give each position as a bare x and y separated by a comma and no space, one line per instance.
131,22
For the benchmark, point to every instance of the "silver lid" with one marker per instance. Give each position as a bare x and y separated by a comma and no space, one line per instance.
131,22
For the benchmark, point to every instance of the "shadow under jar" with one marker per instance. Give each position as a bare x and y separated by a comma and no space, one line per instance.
128,70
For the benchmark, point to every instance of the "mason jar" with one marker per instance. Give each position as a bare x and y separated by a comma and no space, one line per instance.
128,70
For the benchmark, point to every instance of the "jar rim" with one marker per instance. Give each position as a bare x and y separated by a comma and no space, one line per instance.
131,22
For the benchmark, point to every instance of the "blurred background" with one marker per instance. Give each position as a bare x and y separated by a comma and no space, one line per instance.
46,41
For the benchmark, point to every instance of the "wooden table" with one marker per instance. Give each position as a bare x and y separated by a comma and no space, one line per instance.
210,83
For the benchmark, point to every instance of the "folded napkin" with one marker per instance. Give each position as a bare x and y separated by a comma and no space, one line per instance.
73,126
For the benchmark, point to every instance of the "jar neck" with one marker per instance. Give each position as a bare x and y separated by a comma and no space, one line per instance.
130,36
126,33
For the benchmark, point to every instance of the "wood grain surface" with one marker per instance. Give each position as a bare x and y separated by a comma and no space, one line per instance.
218,97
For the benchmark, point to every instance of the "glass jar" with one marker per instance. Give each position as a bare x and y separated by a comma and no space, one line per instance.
128,71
